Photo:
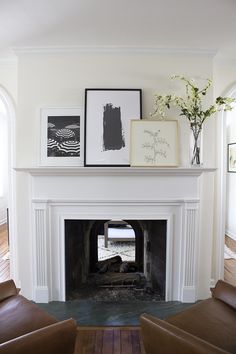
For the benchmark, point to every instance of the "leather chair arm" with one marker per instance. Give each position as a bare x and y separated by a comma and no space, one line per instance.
161,337
7,289
225,292
58,338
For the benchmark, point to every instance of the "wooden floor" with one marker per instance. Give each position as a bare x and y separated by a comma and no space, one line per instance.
4,263
230,264
109,340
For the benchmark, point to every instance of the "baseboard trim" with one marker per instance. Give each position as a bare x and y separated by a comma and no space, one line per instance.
212,283
41,294
189,294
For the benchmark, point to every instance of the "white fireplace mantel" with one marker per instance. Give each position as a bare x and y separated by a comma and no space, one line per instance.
118,171
61,193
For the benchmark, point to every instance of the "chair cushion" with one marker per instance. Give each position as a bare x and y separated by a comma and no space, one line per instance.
211,320
19,316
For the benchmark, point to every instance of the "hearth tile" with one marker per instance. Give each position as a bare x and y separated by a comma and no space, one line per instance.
91,313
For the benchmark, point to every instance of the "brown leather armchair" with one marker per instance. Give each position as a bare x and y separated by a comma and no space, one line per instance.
209,326
25,328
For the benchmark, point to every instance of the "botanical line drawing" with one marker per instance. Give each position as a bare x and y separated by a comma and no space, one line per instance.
156,146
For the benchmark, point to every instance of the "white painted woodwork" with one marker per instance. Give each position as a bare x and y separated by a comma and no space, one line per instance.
59,194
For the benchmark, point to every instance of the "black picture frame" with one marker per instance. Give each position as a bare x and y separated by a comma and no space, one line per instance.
108,112
231,157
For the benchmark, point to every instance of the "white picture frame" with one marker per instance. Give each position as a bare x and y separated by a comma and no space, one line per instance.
107,125
62,133
154,143
232,157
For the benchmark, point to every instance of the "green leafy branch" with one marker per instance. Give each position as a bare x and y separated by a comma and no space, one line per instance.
191,105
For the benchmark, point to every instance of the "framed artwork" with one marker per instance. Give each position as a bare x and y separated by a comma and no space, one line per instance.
154,143
232,157
61,137
108,113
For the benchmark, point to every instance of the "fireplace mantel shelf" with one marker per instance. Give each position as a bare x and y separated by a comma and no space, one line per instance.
114,171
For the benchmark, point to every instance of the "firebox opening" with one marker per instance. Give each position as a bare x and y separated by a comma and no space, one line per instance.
125,256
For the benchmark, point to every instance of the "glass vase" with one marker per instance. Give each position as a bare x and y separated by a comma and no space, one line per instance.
195,158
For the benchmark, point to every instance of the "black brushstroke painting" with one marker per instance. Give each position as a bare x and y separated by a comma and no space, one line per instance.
113,137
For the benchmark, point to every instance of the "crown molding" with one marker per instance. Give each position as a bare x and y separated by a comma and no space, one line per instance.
8,58
7,61
226,55
116,49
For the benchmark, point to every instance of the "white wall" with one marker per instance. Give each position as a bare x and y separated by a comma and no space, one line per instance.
8,77
59,80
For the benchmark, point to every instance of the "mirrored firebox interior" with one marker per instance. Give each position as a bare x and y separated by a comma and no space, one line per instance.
125,256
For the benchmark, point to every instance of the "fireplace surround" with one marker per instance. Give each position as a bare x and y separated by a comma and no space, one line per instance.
78,193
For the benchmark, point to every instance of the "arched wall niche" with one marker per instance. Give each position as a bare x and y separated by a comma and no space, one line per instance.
221,185
10,110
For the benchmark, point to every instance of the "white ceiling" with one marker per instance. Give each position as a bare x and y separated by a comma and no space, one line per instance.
193,24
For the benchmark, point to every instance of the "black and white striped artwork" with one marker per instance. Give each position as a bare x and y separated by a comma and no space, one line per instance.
63,136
